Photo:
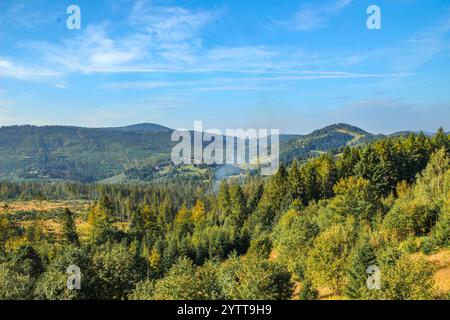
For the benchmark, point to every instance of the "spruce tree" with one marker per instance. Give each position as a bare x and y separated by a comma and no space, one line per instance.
223,201
440,140
296,187
69,227
100,224
441,231
238,209
361,258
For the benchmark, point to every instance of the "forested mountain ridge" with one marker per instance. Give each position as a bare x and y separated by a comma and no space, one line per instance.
142,127
332,137
95,154
78,154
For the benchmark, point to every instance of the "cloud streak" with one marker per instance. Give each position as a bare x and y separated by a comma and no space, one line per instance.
313,15
11,69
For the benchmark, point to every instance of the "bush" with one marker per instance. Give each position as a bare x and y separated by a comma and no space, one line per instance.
408,279
179,283
144,290
326,263
116,270
254,278
52,284
14,285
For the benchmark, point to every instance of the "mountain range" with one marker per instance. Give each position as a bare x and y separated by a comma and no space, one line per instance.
95,154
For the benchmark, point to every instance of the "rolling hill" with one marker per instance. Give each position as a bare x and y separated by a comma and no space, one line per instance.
328,138
95,154
78,154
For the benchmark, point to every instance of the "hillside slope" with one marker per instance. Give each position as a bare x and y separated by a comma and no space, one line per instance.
328,138
73,153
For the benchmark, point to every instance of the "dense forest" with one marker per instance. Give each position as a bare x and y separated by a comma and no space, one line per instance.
133,153
309,232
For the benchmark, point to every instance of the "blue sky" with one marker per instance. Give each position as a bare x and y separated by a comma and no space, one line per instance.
289,65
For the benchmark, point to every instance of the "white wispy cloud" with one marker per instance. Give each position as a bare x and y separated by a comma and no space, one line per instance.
136,85
314,15
168,24
20,16
14,70
93,49
164,40
423,46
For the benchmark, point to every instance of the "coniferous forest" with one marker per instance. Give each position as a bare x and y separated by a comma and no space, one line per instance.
369,221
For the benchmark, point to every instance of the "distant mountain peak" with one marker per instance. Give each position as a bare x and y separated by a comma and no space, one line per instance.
341,127
142,127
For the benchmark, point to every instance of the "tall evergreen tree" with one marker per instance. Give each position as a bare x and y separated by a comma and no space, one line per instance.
441,140
100,224
361,258
238,209
296,186
223,201
69,228
441,232
312,188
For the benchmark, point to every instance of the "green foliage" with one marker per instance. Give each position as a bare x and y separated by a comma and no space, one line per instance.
407,279
417,211
69,229
14,285
77,154
354,197
179,283
261,245
441,231
100,224
308,292
326,263
52,284
116,270
7,229
294,237
361,257
254,278
27,261
144,290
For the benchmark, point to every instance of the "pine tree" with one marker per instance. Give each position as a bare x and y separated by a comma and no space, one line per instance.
440,140
255,199
327,175
137,224
223,201
441,231
7,228
361,258
347,161
296,187
198,212
69,228
312,188
238,210
100,224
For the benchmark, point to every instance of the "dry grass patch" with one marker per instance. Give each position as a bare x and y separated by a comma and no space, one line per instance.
34,205
441,260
